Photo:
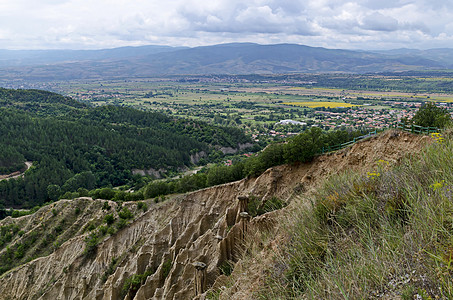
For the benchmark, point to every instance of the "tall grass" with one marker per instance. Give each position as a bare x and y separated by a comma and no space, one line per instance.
387,232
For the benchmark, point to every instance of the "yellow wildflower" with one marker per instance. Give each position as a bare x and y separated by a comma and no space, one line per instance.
373,175
437,185
437,137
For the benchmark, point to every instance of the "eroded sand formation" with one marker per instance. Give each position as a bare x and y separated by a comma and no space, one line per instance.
184,241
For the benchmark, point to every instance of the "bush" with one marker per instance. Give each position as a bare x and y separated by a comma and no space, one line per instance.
106,206
110,270
142,206
166,268
90,227
103,230
109,219
121,224
133,283
104,193
125,214
136,196
91,243
156,188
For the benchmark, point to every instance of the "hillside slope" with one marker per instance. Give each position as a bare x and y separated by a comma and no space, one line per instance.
178,248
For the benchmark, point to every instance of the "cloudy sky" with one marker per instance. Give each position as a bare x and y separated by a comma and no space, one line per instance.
355,24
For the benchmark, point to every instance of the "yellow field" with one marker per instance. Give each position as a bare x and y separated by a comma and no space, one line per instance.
436,78
316,88
320,104
441,99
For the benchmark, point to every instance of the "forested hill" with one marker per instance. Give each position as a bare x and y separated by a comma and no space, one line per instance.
39,102
75,146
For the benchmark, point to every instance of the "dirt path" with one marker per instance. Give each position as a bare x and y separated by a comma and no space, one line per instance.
16,174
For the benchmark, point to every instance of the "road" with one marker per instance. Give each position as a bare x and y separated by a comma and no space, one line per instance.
16,174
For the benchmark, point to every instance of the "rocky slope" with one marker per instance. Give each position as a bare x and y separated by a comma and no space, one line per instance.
179,248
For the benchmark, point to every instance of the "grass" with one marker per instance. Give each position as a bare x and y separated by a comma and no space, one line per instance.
373,236
256,208
313,104
361,236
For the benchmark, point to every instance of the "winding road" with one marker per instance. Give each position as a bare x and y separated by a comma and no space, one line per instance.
16,174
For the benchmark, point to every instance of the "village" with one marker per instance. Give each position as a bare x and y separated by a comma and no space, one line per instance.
356,118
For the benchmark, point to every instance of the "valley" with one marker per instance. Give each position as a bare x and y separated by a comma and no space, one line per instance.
257,103
120,179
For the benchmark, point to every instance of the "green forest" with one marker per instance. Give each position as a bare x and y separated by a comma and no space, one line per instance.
299,149
75,146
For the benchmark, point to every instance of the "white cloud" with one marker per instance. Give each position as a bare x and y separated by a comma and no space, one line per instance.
328,23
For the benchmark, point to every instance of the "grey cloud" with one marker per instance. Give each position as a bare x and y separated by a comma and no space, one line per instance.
379,22
418,25
342,26
384,4
330,23
290,7
269,19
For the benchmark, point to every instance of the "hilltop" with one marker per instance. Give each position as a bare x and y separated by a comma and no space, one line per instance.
192,245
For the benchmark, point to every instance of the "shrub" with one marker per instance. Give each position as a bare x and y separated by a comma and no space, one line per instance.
111,269
104,193
121,223
103,230
133,283
156,188
90,227
109,219
125,214
91,243
106,206
142,206
166,267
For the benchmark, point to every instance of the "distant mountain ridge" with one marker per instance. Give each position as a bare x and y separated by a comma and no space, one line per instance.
235,58
37,57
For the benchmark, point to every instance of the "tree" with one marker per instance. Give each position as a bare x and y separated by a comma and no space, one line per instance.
304,146
53,192
430,115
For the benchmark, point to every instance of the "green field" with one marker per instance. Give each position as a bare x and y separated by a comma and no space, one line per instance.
313,104
257,103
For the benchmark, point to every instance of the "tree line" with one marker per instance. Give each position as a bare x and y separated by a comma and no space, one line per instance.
300,149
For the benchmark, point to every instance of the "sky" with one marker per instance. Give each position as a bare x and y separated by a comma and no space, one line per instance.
97,24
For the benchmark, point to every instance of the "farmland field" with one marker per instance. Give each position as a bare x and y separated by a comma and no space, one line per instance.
256,103
315,104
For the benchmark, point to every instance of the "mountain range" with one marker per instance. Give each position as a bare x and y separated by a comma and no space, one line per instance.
235,58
